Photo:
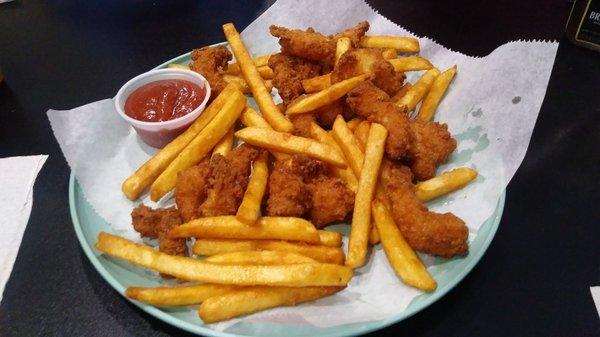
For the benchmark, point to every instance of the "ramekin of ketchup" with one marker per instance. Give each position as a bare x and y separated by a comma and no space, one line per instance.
161,104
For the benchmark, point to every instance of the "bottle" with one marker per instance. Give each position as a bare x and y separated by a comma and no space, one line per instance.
583,26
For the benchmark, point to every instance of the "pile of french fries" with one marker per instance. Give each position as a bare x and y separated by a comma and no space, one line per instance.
254,262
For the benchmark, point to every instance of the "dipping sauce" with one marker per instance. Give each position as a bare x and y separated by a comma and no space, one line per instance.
164,100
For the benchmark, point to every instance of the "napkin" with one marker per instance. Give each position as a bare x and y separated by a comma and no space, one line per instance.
490,108
596,296
17,179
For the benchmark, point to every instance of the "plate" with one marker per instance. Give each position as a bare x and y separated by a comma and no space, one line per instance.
119,275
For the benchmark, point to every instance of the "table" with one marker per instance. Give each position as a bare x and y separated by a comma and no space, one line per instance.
535,277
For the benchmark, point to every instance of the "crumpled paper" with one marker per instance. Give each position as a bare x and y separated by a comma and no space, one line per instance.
490,108
17,179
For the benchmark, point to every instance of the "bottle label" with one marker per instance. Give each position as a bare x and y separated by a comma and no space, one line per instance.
589,27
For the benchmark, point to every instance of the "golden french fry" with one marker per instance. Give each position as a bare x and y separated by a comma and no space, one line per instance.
353,123
415,94
249,209
242,85
144,176
178,66
186,268
399,43
204,141
228,227
435,94
349,145
223,147
329,95
287,143
330,239
178,295
343,44
362,133
322,254
265,72
317,83
445,183
401,256
389,53
403,90
262,96
317,133
374,236
259,257
250,118
411,63
361,219
247,301
259,61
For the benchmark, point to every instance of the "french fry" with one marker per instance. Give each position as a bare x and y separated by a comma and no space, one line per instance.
415,94
343,44
242,85
362,133
250,118
330,238
178,295
260,61
319,253
374,236
327,96
403,90
353,123
223,147
389,53
318,83
361,219
293,275
287,143
259,257
265,72
228,227
435,94
202,143
254,299
411,63
444,183
317,133
178,66
349,145
249,209
144,176
401,256
262,96
399,43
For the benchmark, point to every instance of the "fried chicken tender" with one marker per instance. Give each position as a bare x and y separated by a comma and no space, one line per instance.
227,181
190,190
431,145
302,124
302,186
373,104
433,233
210,62
309,44
354,33
288,73
368,60
156,223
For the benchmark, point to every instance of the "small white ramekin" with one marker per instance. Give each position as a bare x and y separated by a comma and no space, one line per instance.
159,134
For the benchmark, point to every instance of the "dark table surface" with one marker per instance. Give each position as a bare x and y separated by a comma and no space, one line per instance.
533,280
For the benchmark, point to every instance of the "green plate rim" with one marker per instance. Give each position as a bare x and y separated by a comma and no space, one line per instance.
203,330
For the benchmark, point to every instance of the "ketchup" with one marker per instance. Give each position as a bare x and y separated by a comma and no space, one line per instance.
164,100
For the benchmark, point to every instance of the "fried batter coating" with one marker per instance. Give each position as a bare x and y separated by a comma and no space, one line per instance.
373,104
332,200
308,44
326,114
288,72
190,190
302,124
354,33
368,60
288,194
433,233
210,62
227,181
156,223
431,145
